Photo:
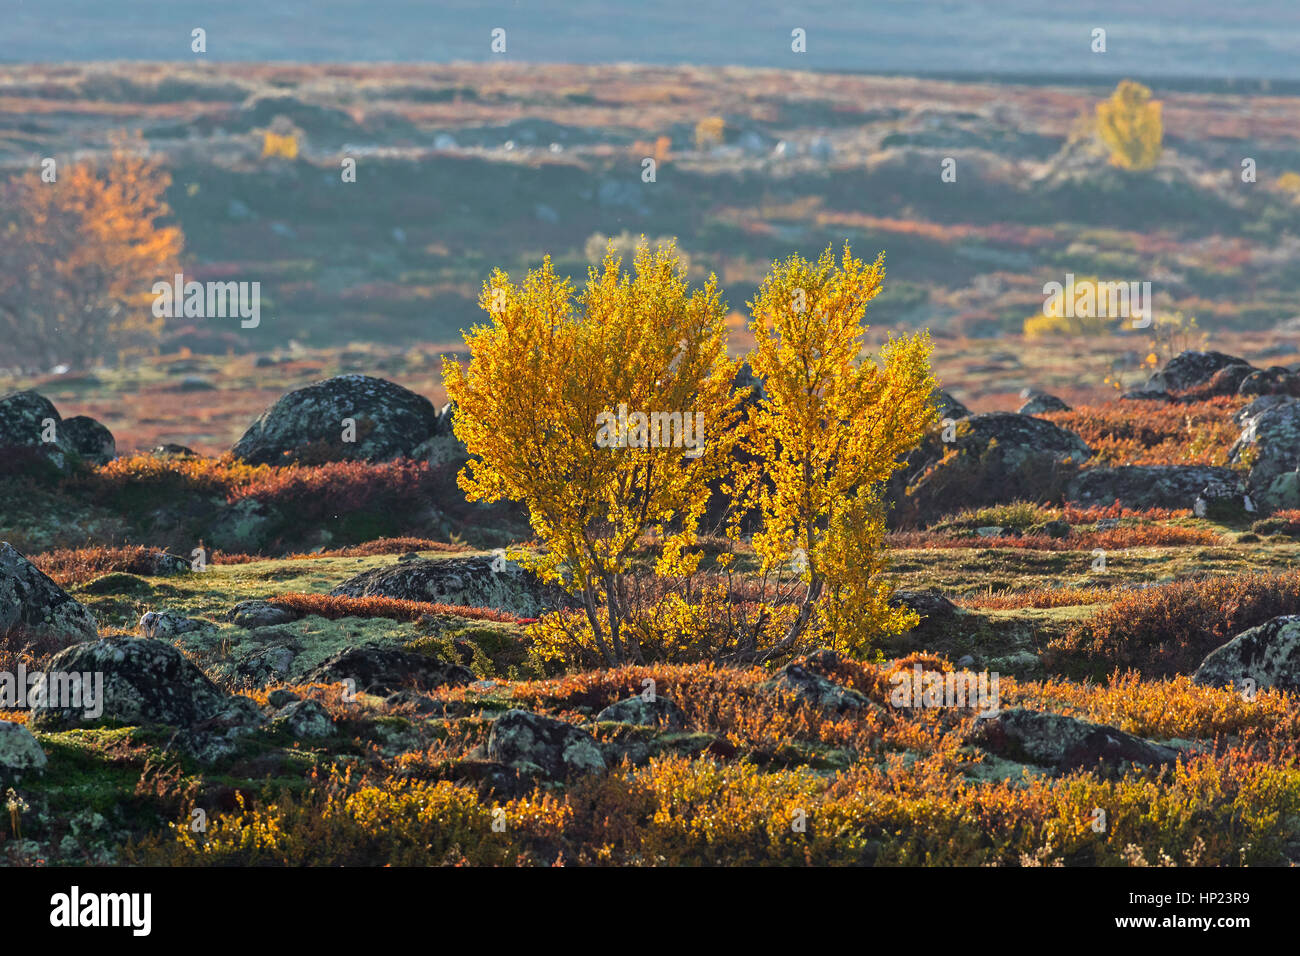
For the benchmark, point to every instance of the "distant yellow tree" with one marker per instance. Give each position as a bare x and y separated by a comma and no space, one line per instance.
580,408
1090,315
831,430
710,132
1130,125
78,257
279,145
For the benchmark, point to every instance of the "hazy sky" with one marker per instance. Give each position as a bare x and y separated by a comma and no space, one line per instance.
1197,38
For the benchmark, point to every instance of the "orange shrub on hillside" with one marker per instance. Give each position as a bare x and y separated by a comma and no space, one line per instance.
334,607
1154,433
1168,629
68,566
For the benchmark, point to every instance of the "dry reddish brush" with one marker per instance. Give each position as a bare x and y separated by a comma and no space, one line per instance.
334,607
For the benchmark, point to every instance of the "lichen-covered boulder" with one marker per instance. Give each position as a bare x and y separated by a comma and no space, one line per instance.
1063,743
806,681
1270,444
1041,402
658,712
144,682
255,613
20,754
375,668
309,423
33,604
491,582
166,625
91,440
1192,369
27,419
1276,380
1157,486
531,741
985,459
304,719
1268,655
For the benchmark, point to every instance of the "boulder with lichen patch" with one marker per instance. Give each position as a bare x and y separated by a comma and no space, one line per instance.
1270,445
530,741
1267,655
469,582
374,668
308,423
304,719
807,681
656,712
1041,402
1157,486
27,420
32,604
91,440
988,459
1192,369
256,613
20,755
145,681
1064,743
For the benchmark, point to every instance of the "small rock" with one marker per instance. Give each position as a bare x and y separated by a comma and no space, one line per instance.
251,614
660,712
1268,654
304,719
20,754
278,698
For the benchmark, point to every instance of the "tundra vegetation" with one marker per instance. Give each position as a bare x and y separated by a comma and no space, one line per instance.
473,633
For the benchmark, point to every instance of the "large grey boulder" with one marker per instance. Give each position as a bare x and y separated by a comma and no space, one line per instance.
1041,402
1063,743
1157,486
471,582
20,754
1270,444
529,741
26,419
1193,369
91,441
308,423
144,682
32,604
1268,654
990,458
375,668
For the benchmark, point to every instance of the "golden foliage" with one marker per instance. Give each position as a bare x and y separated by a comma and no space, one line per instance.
829,433
1130,125
78,257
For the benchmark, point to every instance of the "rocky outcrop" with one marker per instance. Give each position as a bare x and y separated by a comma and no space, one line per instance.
659,712
948,406
1268,655
1041,402
308,423
34,605
27,420
1063,743
20,755
252,614
471,582
1270,444
1158,486
167,625
1193,369
89,439
989,459
377,669
144,682
805,680
529,742
1275,380
303,719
